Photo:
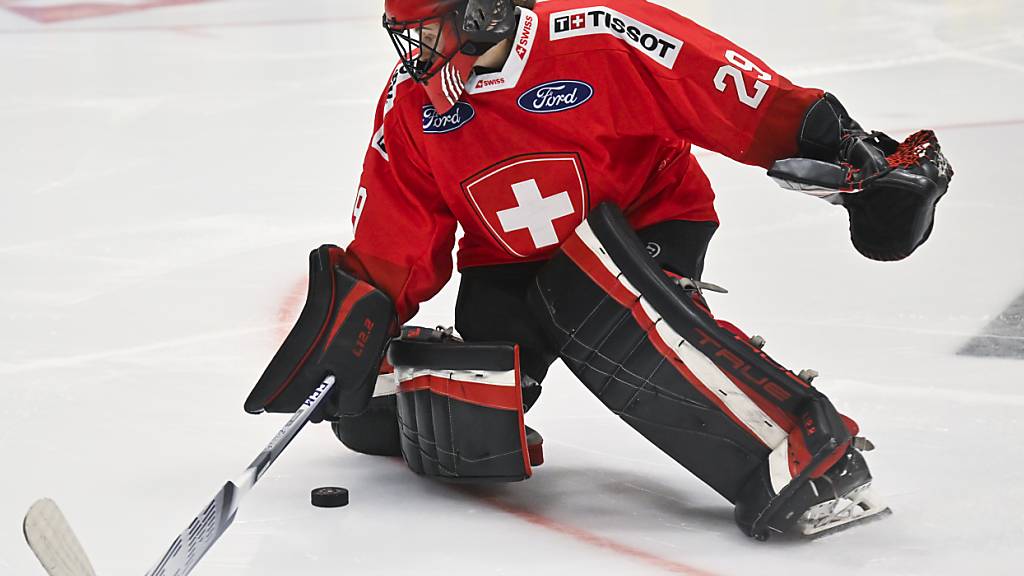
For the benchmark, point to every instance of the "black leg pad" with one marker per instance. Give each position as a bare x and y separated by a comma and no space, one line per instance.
650,350
460,409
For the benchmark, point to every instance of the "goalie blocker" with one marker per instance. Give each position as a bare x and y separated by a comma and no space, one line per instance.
699,389
342,331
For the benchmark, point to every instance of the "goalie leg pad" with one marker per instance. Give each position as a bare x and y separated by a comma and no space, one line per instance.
697,389
373,431
460,409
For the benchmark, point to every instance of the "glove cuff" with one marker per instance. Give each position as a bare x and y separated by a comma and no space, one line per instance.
823,130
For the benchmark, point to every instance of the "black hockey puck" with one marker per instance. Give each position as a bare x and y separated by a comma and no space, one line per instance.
329,497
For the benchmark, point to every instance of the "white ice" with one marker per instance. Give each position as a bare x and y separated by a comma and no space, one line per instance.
164,172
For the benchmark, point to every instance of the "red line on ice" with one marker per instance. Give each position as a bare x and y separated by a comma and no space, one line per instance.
290,307
592,539
83,10
984,124
938,128
190,27
287,313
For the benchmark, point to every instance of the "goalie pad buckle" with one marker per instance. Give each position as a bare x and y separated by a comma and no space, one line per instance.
460,408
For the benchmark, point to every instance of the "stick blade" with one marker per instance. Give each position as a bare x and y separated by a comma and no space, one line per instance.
51,539
189,548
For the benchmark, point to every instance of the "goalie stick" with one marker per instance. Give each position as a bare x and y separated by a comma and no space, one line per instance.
54,543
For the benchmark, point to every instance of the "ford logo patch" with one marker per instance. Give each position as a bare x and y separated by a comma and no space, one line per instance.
556,96
456,118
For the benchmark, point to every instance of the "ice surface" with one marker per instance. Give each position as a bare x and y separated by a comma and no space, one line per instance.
164,171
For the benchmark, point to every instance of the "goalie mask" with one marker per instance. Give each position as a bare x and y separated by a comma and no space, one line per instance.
438,41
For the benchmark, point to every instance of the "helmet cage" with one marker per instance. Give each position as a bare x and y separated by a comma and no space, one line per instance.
422,60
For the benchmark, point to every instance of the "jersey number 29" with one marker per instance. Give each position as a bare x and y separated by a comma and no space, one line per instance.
739,64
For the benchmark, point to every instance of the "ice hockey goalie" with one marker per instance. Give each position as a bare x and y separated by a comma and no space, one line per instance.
558,135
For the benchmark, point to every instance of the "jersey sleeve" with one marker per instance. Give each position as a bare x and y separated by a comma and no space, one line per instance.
713,93
403,230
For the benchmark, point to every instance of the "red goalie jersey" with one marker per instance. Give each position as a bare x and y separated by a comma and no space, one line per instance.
598,101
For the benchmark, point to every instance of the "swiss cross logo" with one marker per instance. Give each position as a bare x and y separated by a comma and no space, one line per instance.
571,22
50,11
530,203
525,37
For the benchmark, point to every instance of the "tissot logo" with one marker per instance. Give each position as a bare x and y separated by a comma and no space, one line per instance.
556,96
457,117
574,22
657,45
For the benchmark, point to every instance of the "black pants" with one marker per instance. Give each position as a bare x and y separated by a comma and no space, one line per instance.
492,299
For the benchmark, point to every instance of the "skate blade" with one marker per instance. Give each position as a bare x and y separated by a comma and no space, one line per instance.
855,508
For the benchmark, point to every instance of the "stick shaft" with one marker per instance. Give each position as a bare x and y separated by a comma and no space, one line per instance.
196,540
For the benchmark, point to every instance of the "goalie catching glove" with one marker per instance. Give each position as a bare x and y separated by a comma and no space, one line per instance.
342,330
890,189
